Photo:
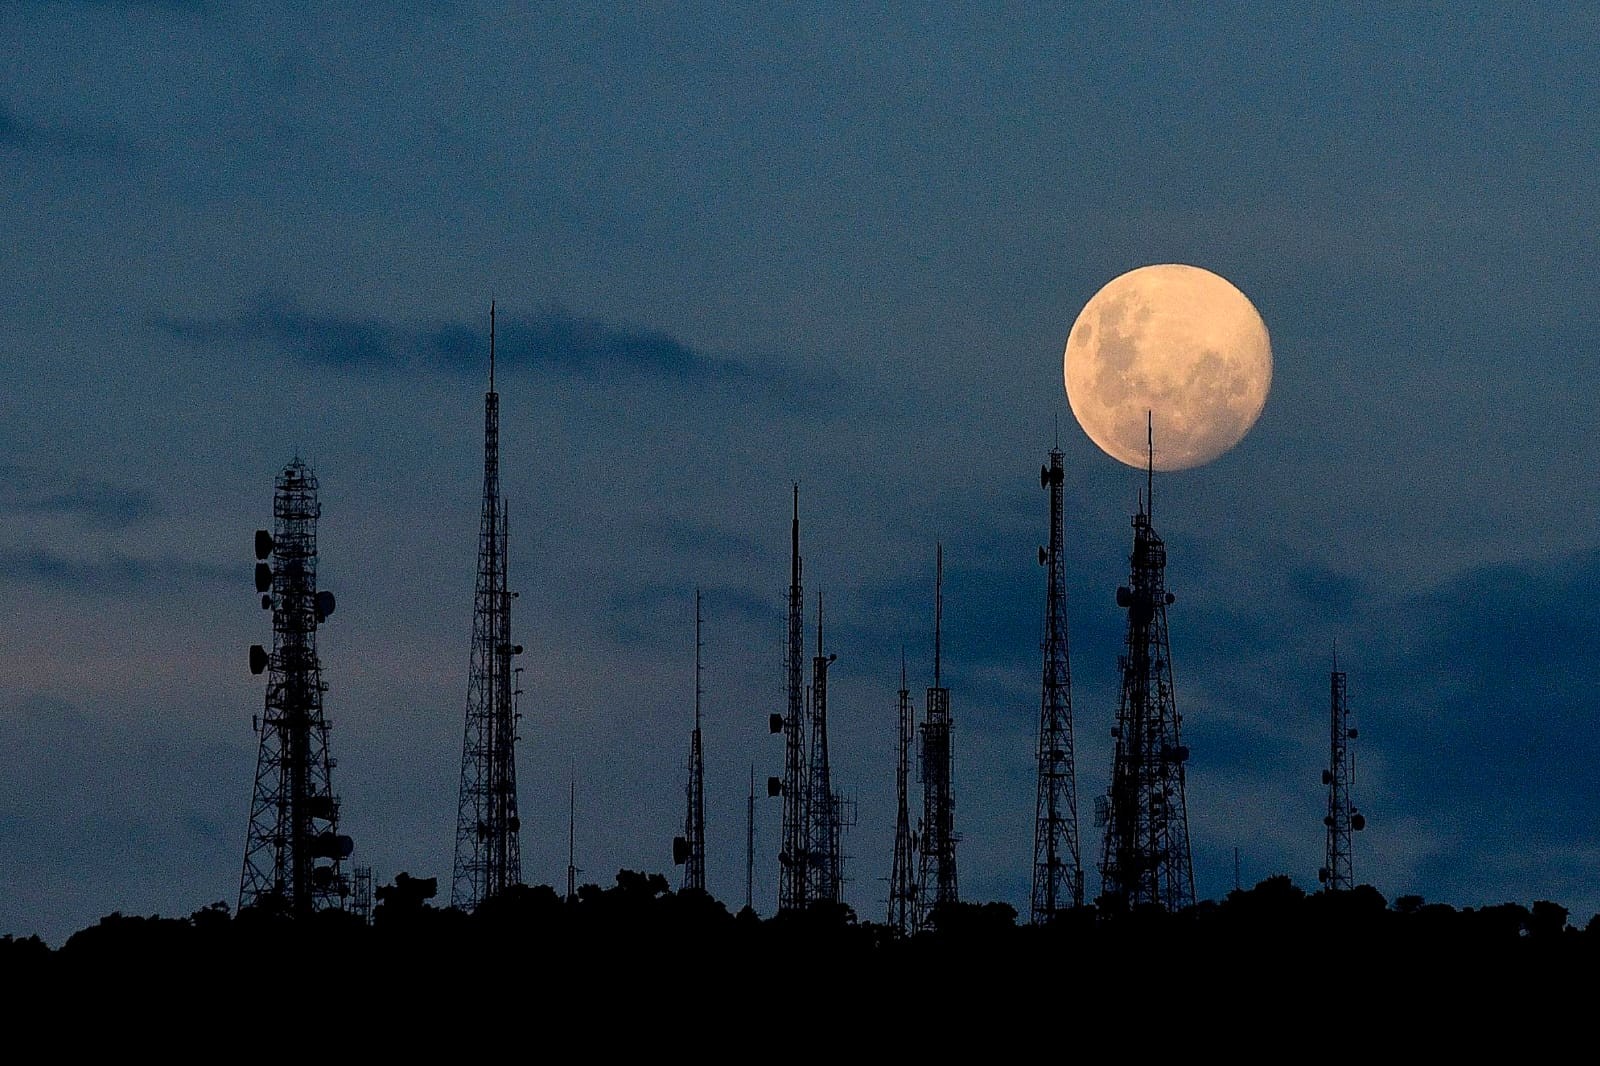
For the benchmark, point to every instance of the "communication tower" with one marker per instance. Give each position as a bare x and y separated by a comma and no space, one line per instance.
293,851
689,850
793,854
488,856
1342,819
750,845
824,807
1146,858
1057,865
572,839
936,882
903,874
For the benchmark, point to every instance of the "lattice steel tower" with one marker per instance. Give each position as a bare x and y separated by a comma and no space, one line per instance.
824,807
903,874
1342,819
488,857
1057,864
690,849
293,851
936,881
1146,858
793,853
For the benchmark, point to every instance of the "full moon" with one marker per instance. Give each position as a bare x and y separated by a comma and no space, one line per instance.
1180,343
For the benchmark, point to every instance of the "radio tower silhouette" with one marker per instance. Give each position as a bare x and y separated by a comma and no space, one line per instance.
488,856
689,850
750,845
1337,873
793,854
825,814
1146,858
936,881
903,874
1057,865
293,850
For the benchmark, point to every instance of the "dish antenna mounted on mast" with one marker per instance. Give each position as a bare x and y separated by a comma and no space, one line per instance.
293,853
1342,819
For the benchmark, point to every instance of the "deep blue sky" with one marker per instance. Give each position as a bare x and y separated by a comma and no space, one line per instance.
737,248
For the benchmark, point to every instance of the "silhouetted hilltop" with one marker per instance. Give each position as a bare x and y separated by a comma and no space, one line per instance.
640,926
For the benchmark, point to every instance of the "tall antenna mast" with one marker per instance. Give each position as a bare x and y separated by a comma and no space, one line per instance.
938,607
903,874
572,837
750,845
936,882
690,849
488,856
824,807
1057,863
1150,468
1342,819
1146,855
793,854
293,851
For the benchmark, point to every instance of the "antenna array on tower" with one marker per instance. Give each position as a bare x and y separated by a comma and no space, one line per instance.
1146,858
1343,819
293,853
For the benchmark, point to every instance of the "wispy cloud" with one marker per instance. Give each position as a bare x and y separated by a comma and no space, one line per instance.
92,503
19,132
107,573
550,340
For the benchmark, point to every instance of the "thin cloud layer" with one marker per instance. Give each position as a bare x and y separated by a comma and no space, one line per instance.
91,502
550,341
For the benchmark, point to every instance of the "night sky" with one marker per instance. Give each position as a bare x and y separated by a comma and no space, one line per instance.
733,249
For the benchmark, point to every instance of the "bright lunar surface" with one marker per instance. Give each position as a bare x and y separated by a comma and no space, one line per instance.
1176,341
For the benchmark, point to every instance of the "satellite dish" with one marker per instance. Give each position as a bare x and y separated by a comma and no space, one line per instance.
774,787
263,544
1358,822
774,723
263,577
324,605
1044,476
258,658
266,603
1043,556
680,851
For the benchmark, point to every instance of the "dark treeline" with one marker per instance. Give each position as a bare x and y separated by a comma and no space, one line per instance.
638,923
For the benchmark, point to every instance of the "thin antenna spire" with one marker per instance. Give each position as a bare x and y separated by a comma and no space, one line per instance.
938,608
1058,430
491,344
750,844
572,834
698,644
1150,471
819,622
